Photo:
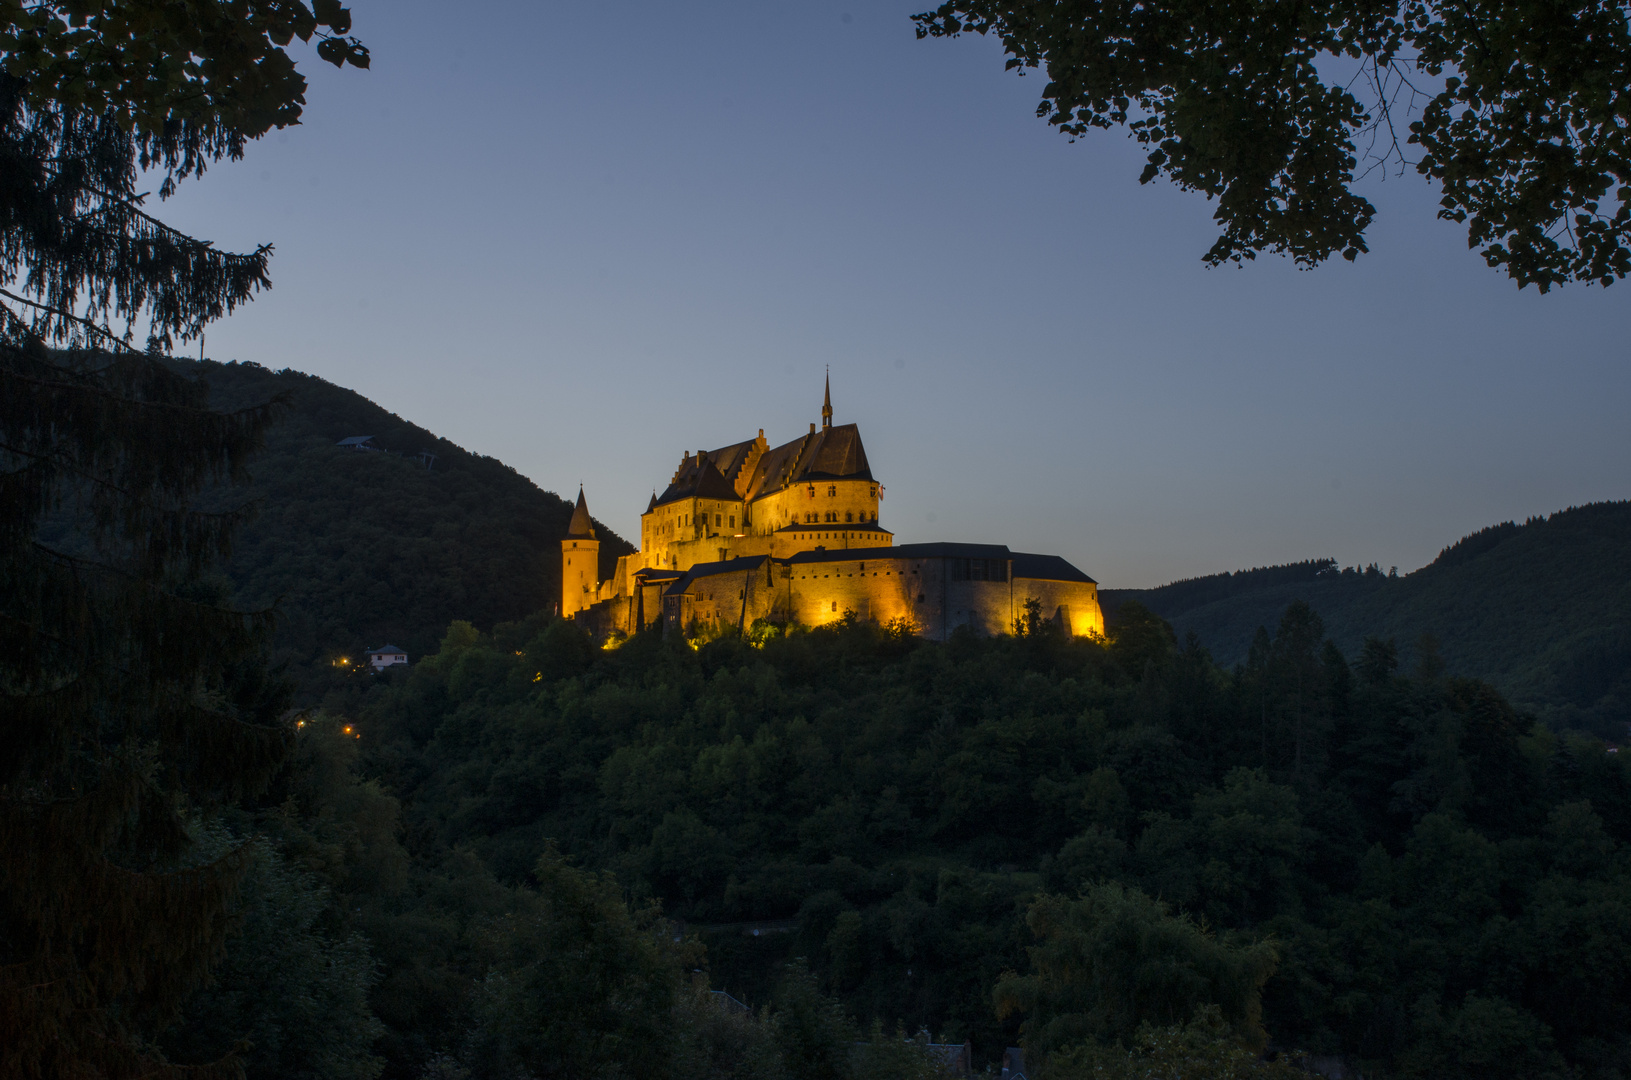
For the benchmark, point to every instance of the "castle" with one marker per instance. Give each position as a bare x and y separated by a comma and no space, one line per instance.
791,534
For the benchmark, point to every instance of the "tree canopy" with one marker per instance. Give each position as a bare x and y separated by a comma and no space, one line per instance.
135,699
1521,111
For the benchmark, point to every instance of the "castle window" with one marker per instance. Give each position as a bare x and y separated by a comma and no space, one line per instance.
716,520
848,516
733,521
835,605
832,490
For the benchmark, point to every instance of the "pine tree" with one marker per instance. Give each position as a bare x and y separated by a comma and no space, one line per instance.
133,700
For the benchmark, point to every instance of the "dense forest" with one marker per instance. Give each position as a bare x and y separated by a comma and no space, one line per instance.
1331,844
360,549
1030,839
357,549
1541,610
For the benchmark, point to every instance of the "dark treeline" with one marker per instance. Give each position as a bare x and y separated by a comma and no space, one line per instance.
1395,867
1540,610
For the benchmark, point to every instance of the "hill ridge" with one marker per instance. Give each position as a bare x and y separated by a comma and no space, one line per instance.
1541,609
356,548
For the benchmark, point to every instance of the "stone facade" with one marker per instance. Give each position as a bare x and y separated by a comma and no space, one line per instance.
790,534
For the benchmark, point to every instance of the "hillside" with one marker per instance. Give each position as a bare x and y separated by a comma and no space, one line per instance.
360,549
1542,610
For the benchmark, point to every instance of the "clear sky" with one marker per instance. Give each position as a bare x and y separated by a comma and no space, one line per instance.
584,238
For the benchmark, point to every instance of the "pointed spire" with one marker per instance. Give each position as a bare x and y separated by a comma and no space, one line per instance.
581,525
826,404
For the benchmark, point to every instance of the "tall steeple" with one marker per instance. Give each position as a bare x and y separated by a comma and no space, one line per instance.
826,404
581,526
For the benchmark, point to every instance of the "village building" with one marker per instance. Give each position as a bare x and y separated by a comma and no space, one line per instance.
791,534
386,656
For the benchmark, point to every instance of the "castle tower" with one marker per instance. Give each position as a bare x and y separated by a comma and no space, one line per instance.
580,561
826,405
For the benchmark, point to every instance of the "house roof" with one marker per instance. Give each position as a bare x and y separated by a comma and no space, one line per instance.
1036,567
816,526
710,569
1047,568
902,551
834,453
581,526
355,440
699,478
386,649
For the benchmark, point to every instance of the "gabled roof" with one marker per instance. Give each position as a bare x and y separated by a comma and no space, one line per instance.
833,453
356,440
386,649
581,527
1047,568
698,478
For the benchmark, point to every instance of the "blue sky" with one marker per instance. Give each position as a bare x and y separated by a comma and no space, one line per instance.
584,238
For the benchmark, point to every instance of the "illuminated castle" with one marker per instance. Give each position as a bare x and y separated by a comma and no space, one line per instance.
791,534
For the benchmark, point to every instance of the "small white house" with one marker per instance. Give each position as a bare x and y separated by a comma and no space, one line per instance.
385,656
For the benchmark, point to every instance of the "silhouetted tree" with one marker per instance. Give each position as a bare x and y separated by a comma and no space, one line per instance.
132,698
1523,117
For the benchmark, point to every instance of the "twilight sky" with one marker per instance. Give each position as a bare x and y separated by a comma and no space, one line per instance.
583,238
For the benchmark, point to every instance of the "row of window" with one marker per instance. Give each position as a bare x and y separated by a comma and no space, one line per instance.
832,516
832,491
685,519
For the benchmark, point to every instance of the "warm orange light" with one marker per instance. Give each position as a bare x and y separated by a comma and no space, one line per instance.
347,729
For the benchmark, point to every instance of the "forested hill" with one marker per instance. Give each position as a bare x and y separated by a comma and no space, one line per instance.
1542,610
363,549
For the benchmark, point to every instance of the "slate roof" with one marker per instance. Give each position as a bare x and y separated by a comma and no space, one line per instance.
829,526
709,569
834,453
903,551
698,478
1047,568
581,527
1036,567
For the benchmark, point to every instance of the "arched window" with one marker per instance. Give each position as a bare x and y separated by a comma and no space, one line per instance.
848,516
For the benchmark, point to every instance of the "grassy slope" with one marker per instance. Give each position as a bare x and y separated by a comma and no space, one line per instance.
361,549
1542,610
